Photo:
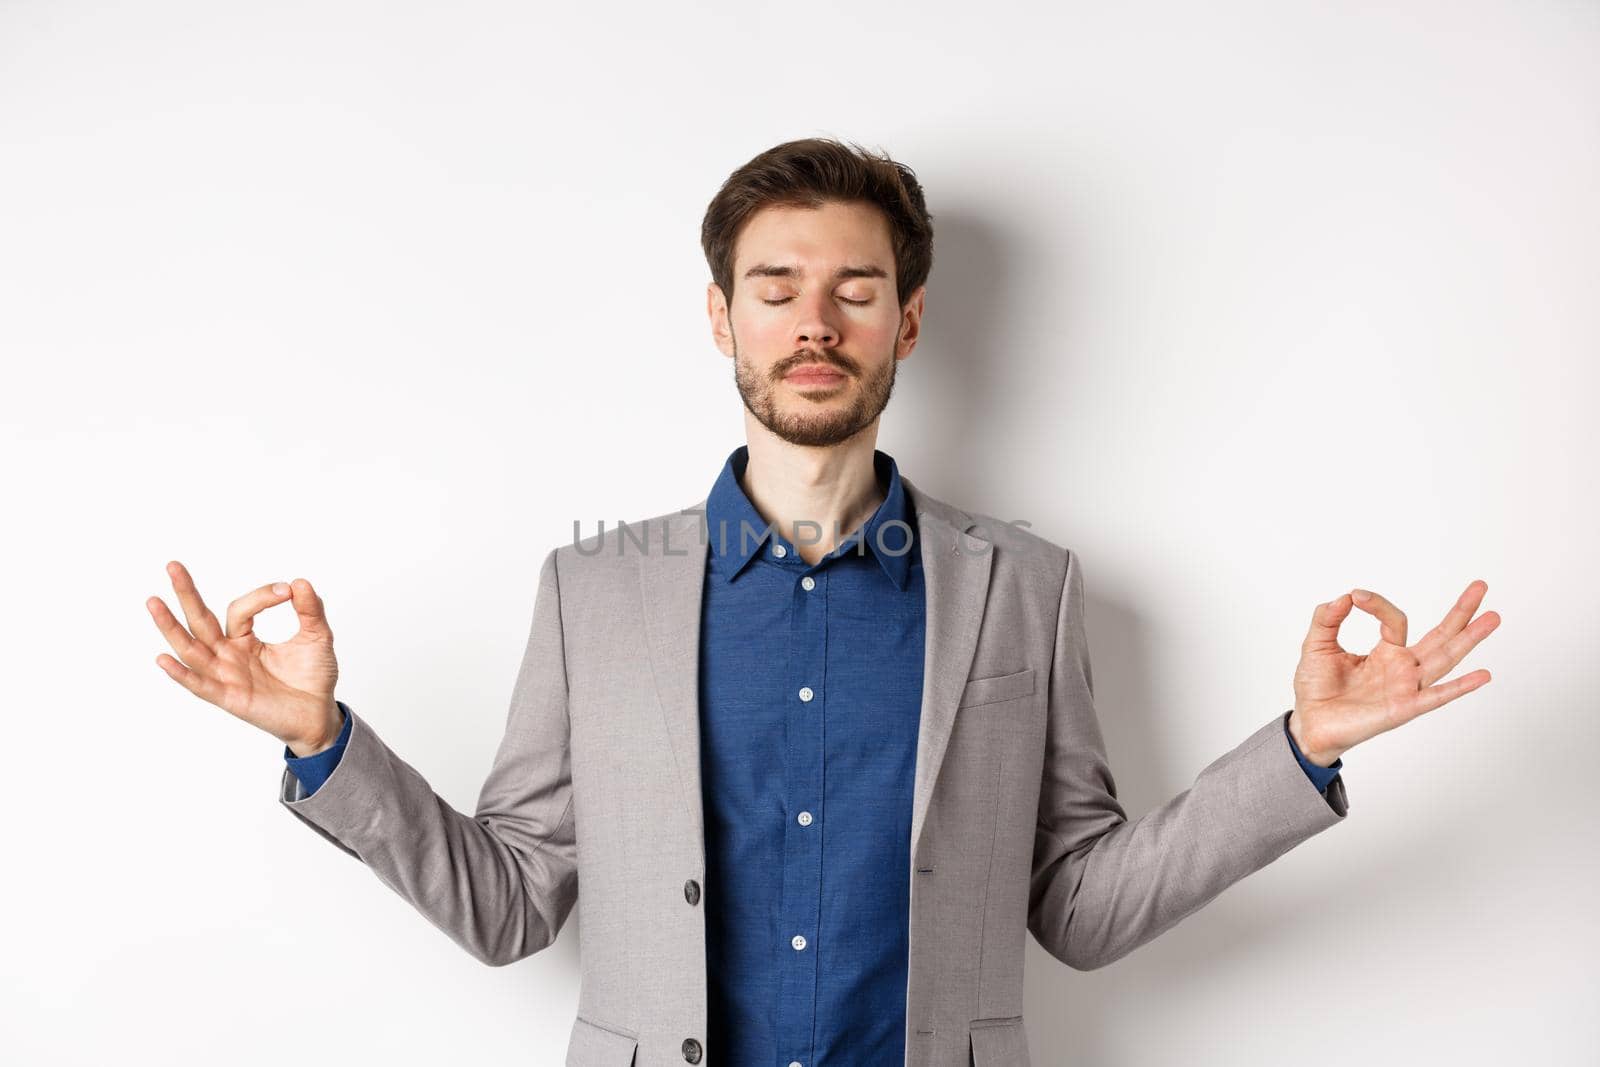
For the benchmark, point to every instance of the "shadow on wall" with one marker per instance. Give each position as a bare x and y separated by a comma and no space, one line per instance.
959,387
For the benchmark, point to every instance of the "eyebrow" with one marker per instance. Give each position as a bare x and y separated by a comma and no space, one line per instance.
776,270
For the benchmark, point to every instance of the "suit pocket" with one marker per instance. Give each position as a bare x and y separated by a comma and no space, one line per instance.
999,1043
998,687
592,1045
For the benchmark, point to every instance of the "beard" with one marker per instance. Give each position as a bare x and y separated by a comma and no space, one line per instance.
814,423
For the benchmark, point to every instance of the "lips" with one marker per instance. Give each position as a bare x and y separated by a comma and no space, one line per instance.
814,372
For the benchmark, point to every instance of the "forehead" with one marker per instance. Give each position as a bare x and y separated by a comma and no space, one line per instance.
815,240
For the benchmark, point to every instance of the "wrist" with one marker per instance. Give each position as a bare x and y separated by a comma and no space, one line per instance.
322,740
1306,741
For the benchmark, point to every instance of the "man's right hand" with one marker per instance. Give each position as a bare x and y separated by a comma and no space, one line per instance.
285,689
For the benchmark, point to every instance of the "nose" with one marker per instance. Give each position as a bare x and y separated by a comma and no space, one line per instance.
815,325
818,335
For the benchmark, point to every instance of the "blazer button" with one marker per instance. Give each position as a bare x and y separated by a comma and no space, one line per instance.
691,1050
691,891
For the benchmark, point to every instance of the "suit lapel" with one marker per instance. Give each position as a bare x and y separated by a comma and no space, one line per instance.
955,570
955,575
672,586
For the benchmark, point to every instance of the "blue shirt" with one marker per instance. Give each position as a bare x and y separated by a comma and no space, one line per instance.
809,708
811,690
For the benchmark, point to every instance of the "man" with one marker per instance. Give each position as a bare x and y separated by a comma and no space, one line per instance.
820,747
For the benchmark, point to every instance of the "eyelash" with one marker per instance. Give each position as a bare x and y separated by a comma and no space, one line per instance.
785,300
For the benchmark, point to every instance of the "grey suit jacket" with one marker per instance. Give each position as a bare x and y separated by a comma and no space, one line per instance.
1015,823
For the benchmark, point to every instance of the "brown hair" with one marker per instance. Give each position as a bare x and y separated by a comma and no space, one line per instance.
809,173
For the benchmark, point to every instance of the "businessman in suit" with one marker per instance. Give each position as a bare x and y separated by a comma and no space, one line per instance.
819,747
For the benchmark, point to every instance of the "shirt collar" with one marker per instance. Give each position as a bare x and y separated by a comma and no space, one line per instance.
737,533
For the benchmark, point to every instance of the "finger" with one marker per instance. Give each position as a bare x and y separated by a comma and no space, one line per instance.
243,611
1391,620
201,685
1325,621
1444,692
179,640
1439,660
308,606
202,623
1457,618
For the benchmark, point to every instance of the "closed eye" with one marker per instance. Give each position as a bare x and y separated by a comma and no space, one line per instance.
847,300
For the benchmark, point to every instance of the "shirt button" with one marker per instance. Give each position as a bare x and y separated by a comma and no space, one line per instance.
779,551
794,1063
808,583
691,1050
805,692
799,942
691,891
804,818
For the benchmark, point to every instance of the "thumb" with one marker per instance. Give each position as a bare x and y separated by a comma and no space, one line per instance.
1324,633
308,606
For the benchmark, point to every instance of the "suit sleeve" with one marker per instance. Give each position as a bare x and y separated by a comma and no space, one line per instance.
1103,885
500,882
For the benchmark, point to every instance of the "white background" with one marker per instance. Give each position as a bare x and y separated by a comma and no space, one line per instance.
1248,303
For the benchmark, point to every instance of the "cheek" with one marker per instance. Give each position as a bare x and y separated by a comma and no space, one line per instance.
763,332
873,335
879,333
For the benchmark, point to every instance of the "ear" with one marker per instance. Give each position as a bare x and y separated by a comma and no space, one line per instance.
911,323
717,312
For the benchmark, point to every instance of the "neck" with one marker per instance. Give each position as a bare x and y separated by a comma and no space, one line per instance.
814,497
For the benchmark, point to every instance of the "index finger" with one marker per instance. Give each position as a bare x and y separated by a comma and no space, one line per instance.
1391,620
242,612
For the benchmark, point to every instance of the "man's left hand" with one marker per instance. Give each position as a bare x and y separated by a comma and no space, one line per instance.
1342,699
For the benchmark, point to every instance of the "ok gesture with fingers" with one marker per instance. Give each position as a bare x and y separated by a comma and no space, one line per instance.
285,689
1342,699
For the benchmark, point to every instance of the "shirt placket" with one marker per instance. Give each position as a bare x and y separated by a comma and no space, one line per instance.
805,700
